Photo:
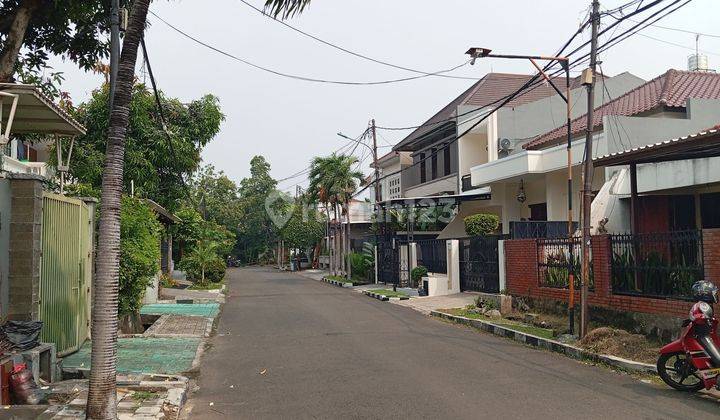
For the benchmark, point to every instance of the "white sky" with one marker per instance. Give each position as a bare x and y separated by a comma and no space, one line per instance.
290,121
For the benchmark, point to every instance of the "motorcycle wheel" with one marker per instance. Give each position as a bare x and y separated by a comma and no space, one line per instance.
675,370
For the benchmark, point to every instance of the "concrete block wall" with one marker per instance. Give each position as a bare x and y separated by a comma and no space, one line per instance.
25,246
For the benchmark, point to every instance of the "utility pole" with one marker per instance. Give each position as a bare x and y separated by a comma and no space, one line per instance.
114,46
588,170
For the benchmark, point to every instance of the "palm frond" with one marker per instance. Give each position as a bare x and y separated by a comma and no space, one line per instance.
285,8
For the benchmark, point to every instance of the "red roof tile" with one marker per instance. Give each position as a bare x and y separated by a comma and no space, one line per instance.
671,89
485,92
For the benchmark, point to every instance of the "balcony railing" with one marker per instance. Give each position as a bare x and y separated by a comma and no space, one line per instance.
539,229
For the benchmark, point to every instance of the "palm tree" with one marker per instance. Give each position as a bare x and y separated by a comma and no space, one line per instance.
204,254
102,399
332,183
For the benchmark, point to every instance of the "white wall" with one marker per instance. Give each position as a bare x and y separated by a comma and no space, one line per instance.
448,183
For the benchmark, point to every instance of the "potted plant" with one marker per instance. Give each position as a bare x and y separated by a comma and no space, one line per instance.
417,274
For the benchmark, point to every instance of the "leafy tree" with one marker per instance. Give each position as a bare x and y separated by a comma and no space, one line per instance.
139,252
156,171
32,30
257,233
304,229
215,196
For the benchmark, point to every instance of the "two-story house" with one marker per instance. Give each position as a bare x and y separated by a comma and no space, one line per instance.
390,168
673,104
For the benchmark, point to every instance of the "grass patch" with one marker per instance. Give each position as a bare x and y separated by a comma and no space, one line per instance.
389,293
338,278
144,395
208,286
513,325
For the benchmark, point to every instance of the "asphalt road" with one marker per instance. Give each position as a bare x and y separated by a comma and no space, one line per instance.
291,347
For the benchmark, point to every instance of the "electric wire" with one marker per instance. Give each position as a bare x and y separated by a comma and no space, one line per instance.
612,42
356,54
303,78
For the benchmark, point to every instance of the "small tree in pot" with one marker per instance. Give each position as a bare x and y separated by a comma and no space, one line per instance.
416,275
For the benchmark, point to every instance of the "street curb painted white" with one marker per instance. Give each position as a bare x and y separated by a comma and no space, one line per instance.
552,345
384,298
337,283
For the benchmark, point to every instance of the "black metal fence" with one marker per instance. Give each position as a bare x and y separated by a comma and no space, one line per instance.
557,258
539,229
479,265
432,254
657,264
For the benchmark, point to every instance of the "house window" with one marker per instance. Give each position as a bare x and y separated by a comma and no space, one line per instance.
709,204
446,160
682,212
423,175
433,161
538,212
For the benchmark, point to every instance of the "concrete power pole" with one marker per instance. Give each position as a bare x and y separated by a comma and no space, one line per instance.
588,170
114,46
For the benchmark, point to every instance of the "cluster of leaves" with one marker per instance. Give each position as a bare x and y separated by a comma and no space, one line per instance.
418,273
157,170
204,244
304,229
140,234
481,224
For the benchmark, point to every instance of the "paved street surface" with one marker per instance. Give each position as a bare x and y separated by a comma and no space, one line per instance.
292,347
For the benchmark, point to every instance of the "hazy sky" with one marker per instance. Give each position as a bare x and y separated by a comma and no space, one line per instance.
290,121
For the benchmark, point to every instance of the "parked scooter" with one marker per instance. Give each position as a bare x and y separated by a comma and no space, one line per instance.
692,362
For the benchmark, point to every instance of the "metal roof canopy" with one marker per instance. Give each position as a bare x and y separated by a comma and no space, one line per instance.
696,146
433,201
34,112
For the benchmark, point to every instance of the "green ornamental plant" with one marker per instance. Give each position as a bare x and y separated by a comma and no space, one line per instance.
139,252
418,273
481,224
204,258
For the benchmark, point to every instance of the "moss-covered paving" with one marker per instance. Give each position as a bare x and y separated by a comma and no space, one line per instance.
144,355
208,310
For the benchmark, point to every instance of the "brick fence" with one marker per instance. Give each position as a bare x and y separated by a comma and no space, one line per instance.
521,262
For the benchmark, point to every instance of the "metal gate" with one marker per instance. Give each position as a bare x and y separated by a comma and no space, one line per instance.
388,255
479,265
65,272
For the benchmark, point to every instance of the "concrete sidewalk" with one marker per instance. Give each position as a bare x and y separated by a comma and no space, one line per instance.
427,304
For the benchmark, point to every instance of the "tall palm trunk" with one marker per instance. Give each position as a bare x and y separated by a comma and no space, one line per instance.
101,402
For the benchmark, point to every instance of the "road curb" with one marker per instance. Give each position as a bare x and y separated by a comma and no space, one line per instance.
552,345
384,298
337,283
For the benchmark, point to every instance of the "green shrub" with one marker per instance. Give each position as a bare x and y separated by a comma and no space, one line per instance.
193,264
139,252
481,224
418,273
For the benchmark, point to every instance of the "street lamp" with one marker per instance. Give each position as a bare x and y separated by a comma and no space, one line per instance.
478,52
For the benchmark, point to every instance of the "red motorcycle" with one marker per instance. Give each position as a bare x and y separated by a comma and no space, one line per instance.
692,362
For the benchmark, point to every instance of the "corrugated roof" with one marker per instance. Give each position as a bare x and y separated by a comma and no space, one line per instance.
693,146
36,113
671,89
485,92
